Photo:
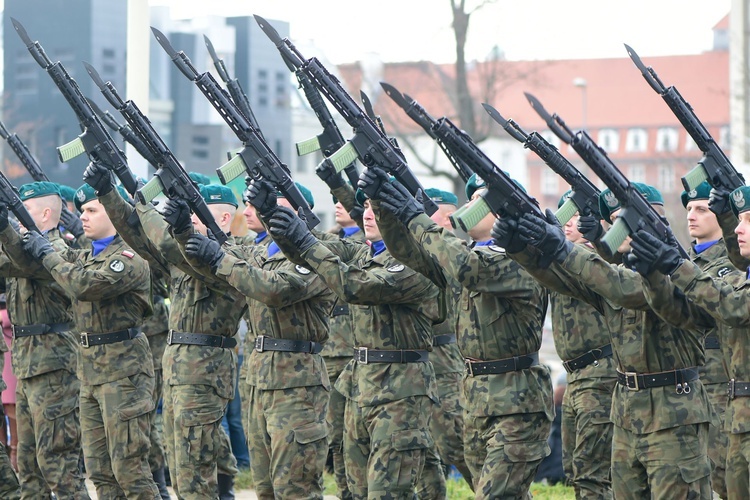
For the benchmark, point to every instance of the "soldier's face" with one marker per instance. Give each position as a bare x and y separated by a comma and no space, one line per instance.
372,232
441,217
44,211
251,219
342,216
96,223
743,233
571,230
702,223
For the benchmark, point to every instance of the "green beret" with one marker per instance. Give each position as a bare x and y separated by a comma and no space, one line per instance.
38,189
740,200
199,178
441,197
702,192
608,203
86,193
67,192
564,197
475,182
216,193
306,194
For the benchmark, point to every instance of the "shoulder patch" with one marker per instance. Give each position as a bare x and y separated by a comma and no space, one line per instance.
396,268
128,254
302,270
723,271
117,266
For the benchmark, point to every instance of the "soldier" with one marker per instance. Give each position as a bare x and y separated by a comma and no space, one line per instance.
44,356
660,409
199,362
110,289
9,487
508,394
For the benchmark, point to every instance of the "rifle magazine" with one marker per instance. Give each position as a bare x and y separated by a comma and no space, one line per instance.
70,150
308,146
231,169
693,178
566,211
616,235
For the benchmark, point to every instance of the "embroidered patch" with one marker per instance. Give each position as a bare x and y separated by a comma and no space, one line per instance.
723,271
396,268
302,270
610,199
128,254
692,194
81,196
739,199
117,266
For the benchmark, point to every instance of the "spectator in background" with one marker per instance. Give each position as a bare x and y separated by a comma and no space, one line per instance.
551,469
9,395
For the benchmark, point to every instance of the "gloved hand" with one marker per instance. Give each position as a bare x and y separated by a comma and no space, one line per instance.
652,254
327,173
545,235
398,200
371,180
204,249
590,227
98,177
262,195
3,216
284,223
71,222
357,212
505,234
36,245
177,215
718,200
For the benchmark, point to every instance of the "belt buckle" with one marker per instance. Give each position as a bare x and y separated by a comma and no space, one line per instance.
84,339
469,368
634,375
169,336
260,342
362,356
730,389
567,367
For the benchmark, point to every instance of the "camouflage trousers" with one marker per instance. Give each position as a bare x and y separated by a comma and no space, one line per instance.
195,439
670,463
156,451
288,441
504,452
447,429
738,467
587,437
335,418
385,446
49,436
9,487
718,440
115,427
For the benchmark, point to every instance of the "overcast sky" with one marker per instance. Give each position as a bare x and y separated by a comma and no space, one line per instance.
408,30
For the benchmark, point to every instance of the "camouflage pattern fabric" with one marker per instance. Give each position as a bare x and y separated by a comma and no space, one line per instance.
737,482
9,487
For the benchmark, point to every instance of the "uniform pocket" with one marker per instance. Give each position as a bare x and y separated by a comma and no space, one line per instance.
199,427
311,432
134,412
61,410
694,469
528,451
409,448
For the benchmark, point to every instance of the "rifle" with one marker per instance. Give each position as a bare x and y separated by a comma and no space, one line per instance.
171,178
417,113
714,167
256,157
125,131
95,141
636,213
369,143
9,197
584,197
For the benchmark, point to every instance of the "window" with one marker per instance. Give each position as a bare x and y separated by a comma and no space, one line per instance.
201,154
200,139
636,141
549,182
690,144
665,180
108,53
262,74
636,173
609,140
666,139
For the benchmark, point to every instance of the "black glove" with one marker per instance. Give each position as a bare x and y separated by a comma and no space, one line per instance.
590,227
718,200
398,200
546,236
177,215
98,177
262,195
652,254
3,216
505,234
71,222
327,173
204,249
36,245
284,223
357,212
371,180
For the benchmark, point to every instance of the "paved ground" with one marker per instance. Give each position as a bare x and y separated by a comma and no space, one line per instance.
239,495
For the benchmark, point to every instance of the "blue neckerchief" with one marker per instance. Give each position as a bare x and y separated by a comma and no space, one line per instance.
99,245
487,243
273,249
377,247
748,272
700,247
260,237
348,231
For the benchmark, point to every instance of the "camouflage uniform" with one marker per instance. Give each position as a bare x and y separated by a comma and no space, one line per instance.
288,387
582,340
660,435
9,487
508,415
198,379
48,426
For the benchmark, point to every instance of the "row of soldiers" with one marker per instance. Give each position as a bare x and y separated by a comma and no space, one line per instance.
431,344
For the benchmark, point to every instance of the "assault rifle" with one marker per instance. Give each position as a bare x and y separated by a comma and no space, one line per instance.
584,197
9,197
637,213
369,143
125,131
714,167
170,178
95,141
256,157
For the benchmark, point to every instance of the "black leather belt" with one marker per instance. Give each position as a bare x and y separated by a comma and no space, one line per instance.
92,339
29,330
591,357
263,343
737,389
711,342
677,378
438,340
175,337
365,355
340,310
514,364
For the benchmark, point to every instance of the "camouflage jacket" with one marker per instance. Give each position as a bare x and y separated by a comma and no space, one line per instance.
642,341
110,291
156,327
34,298
500,314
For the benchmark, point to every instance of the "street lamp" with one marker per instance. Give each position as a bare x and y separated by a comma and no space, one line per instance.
582,84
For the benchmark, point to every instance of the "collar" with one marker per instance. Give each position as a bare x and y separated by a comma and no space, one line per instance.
377,247
273,249
700,247
100,245
487,243
260,237
348,231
